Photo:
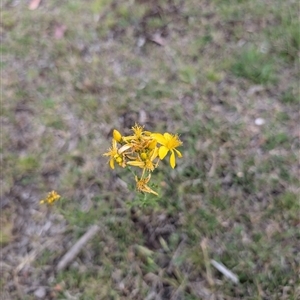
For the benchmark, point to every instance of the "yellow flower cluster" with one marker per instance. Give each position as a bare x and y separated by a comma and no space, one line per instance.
51,198
143,149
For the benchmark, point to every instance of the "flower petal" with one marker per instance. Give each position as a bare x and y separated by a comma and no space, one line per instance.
178,153
124,148
172,160
162,152
136,164
153,154
112,163
159,138
167,136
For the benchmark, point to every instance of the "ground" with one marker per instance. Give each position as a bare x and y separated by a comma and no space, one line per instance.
222,74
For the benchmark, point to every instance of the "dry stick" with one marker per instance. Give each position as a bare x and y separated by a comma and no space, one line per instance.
74,251
225,271
212,170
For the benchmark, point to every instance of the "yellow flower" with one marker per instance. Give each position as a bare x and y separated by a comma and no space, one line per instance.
138,131
51,198
142,149
116,154
138,134
141,185
168,143
113,153
145,160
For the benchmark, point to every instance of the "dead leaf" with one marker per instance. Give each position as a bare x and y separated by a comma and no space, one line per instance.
34,4
158,39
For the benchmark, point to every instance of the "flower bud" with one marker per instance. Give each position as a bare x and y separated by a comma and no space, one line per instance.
117,135
144,156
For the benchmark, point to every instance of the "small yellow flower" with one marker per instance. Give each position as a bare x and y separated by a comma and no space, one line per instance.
141,185
168,143
138,131
51,198
142,149
116,154
145,160
138,134
113,153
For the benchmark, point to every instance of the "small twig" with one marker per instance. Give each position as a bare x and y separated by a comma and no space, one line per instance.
74,251
212,170
226,272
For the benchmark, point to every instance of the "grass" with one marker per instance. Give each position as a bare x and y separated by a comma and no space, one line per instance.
236,189
255,66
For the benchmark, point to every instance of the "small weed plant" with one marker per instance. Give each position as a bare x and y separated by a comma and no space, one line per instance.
143,150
